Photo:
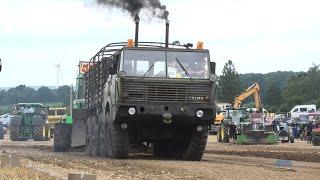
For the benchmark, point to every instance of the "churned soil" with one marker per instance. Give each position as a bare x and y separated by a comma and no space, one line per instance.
220,161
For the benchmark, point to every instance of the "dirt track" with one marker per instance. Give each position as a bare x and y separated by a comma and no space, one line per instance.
221,161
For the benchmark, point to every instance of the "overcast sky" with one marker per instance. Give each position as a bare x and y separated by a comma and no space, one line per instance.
259,36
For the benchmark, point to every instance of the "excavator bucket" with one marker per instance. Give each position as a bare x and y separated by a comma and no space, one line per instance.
78,134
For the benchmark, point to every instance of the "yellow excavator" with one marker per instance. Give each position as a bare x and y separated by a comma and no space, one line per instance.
253,89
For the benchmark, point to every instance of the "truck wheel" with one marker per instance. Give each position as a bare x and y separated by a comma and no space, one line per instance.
196,146
14,133
62,137
316,140
37,133
118,141
1,131
95,136
15,128
37,128
225,137
103,145
219,139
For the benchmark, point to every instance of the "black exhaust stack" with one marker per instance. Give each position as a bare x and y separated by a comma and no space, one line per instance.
167,34
136,19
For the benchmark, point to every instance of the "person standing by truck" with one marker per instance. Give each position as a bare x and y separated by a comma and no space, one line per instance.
309,131
232,133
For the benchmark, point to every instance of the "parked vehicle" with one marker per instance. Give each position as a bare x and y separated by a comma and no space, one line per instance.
55,115
28,121
285,132
301,110
5,119
251,126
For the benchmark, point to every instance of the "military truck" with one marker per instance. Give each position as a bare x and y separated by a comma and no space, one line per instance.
28,121
152,93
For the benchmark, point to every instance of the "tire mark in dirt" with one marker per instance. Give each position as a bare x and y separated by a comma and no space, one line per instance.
287,155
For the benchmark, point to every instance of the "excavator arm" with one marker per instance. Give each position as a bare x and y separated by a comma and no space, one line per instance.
253,89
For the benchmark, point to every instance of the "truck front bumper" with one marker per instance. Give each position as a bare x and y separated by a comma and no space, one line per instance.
169,113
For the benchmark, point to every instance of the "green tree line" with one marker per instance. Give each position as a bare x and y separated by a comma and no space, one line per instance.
280,91
24,94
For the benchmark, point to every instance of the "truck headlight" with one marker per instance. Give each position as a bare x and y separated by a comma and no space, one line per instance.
199,113
213,78
132,111
122,74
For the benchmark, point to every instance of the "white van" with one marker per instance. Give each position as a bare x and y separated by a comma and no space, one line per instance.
299,110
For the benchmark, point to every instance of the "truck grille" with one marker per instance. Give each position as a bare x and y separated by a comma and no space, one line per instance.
165,92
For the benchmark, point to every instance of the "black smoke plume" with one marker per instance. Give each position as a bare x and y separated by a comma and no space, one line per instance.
134,7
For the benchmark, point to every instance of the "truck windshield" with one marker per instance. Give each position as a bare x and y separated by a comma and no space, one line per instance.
185,64
27,109
153,64
137,63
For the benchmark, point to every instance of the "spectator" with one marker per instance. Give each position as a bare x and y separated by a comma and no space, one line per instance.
232,132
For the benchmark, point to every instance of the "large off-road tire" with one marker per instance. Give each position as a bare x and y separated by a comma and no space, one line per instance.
196,146
62,137
37,133
1,131
15,133
38,128
103,144
316,140
118,141
95,136
219,138
15,128
225,137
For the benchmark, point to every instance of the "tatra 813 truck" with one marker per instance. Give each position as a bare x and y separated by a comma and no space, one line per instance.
158,94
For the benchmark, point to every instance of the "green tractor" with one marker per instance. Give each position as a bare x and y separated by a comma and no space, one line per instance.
250,128
28,122
74,127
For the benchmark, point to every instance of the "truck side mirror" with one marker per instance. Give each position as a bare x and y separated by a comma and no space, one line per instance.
213,67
